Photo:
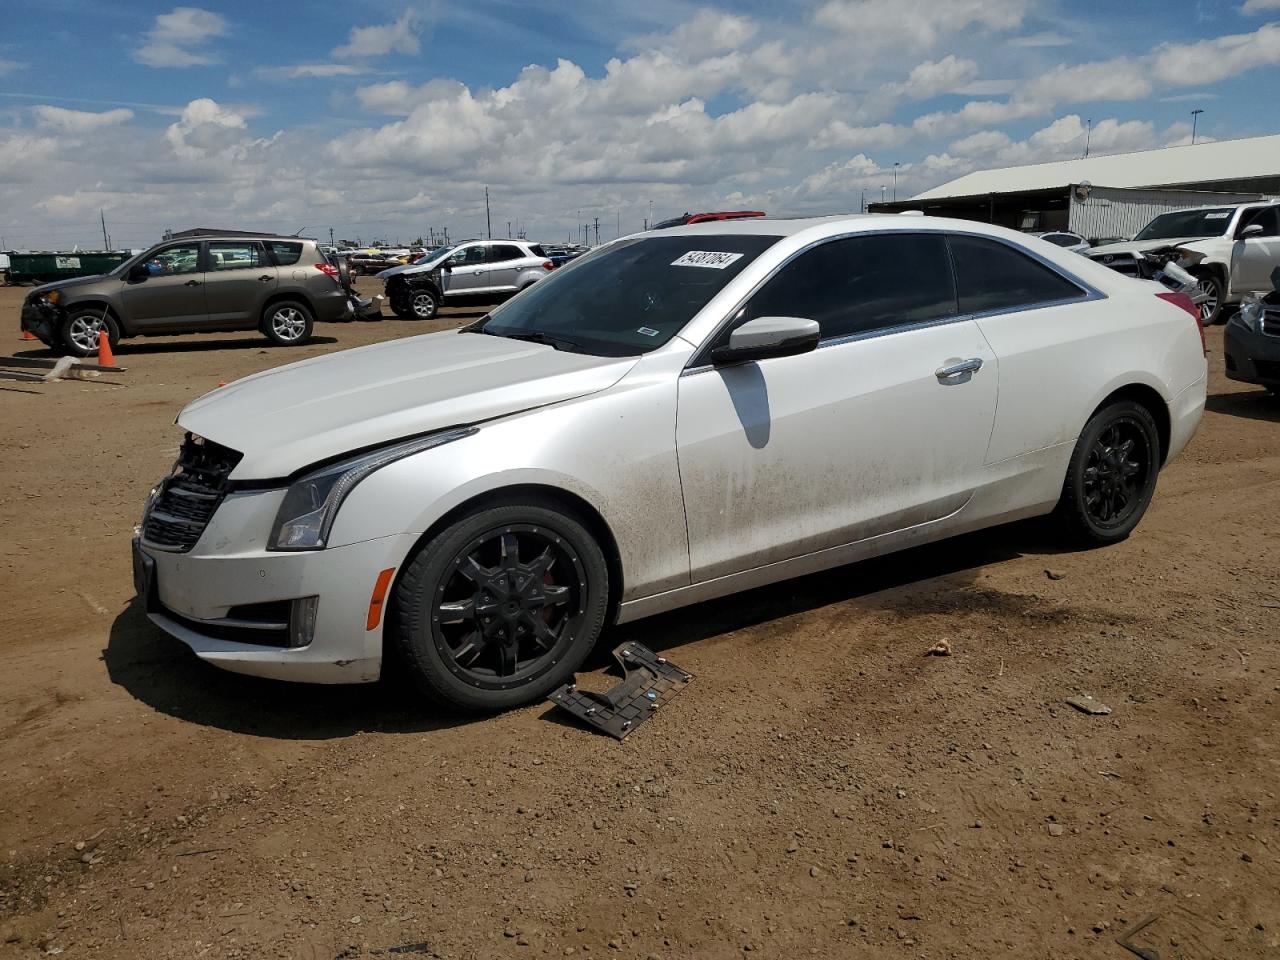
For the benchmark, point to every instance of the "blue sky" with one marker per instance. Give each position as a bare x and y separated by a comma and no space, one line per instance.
390,119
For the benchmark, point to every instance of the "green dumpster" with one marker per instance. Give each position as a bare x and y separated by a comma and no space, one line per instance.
46,266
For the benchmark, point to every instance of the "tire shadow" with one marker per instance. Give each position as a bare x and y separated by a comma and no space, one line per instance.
163,673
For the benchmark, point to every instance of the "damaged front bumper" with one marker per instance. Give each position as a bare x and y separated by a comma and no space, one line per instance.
43,319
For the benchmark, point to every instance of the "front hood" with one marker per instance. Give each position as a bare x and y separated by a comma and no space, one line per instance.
1134,247
65,284
408,268
287,418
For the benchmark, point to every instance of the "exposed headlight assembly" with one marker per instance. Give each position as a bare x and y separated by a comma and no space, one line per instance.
307,513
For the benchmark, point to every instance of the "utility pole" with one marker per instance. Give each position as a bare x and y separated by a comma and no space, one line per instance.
508,229
1088,135
864,200
331,236
106,241
597,231
895,180
650,220
882,190
1195,115
487,222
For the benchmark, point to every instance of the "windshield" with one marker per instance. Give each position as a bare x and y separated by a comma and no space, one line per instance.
431,254
1188,223
627,298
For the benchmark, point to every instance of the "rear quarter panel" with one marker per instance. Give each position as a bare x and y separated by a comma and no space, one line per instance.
1059,363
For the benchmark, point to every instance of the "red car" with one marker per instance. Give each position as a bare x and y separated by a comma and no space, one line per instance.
707,217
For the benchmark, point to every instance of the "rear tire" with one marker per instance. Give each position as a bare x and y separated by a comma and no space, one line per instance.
287,323
1212,310
79,333
501,607
1112,475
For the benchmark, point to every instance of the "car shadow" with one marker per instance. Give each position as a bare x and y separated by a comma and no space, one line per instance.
1251,404
163,673
131,348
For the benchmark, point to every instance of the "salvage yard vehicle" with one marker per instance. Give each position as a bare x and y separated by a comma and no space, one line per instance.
1065,239
688,218
1229,248
679,415
280,286
1251,344
476,268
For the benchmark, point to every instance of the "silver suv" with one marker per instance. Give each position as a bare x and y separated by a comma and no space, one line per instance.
280,286
473,268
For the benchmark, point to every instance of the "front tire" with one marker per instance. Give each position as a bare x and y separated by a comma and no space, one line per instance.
81,329
287,323
1112,475
421,303
1212,310
501,607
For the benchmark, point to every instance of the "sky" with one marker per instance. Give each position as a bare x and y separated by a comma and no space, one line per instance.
389,120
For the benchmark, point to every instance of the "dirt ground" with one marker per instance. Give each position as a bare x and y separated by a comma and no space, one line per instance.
822,789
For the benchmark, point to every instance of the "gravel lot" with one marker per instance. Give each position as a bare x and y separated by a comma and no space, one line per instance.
821,789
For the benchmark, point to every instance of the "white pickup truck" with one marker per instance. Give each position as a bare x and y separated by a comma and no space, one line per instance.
1231,249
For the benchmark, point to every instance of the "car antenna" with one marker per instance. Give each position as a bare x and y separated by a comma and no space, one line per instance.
299,232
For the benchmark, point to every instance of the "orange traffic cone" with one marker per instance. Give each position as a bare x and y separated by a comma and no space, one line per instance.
28,335
105,357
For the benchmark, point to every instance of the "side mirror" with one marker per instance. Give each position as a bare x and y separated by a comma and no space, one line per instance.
138,272
1252,230
446,266
766,337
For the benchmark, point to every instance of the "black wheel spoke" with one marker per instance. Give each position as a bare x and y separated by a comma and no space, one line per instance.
457,611
505,620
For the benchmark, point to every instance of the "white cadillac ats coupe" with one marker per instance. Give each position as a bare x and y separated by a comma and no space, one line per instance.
676,416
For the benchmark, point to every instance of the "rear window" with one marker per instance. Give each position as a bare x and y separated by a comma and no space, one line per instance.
537,250
994,276
284,253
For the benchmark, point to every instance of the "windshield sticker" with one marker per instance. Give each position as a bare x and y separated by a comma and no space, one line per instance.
1220,215
715,259
647,331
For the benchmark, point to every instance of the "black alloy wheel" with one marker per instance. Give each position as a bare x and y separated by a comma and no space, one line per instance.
1112,474
509,606
501,607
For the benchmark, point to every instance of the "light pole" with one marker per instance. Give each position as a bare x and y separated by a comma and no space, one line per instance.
1195,115
895,181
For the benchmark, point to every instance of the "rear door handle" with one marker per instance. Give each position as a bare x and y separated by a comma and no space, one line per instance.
192,283
265,276
956,370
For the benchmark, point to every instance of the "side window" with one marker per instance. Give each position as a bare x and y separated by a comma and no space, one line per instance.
994,276
1268,217
504,251
284,253
228,255
468,255
175,260
861,284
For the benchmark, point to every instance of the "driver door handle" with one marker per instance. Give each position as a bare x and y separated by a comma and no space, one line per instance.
956,370
192,283
265,276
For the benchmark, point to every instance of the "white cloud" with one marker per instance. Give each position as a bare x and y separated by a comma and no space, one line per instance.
1259,6
942,76
1208,61
917,24
23,157
206,129
78,121
299,71
1045,39
174,39
377,41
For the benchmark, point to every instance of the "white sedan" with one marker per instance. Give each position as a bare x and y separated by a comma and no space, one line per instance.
677,416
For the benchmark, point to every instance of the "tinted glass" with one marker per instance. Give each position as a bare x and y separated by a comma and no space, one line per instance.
285,253
1267,217
175,260
227,255
862,284
1187,223
536,250
1061,239
629,297
467,255
504,251
994,276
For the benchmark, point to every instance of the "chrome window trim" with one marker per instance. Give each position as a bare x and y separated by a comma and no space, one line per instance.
1089,292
